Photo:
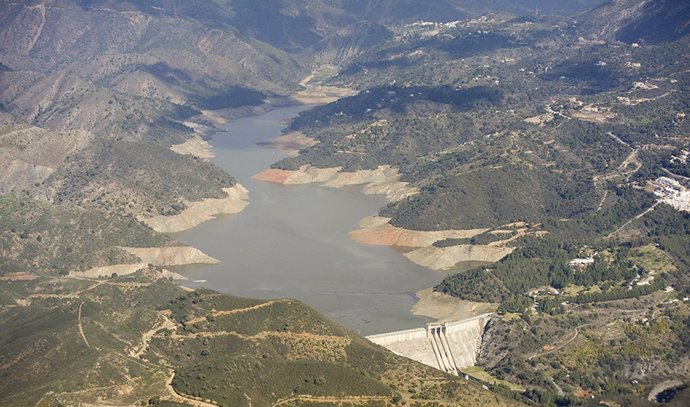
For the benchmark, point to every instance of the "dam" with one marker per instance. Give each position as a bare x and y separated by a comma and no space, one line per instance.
448,346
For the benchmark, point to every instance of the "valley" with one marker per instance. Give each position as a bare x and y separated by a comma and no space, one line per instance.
211,203
305,230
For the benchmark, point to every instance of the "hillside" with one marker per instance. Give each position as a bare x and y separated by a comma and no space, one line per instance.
537,153
554,152
99,101
168,346
96,93
498,144
639,21
51,239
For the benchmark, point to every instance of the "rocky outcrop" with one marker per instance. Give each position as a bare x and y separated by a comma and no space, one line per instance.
384,180
340,47
442,258
376,230
201,211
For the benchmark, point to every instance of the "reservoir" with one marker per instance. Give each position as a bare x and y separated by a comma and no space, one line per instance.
292,241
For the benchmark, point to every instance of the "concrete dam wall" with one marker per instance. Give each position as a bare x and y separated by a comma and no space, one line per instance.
449,346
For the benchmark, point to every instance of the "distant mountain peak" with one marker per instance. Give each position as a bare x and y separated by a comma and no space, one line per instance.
651,21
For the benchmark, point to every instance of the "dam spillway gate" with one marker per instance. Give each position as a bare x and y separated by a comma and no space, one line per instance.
448,346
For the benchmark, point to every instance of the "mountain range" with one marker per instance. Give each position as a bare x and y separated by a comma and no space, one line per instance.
556,130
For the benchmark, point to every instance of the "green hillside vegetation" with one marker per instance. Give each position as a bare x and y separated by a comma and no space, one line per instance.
604,303
497,119
130,84
591,349
462,138
544,262
136,178
492,197
389,124
539,124
53,239
228,351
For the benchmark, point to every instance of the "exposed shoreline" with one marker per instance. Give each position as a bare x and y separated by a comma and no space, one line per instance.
316,93
156,256
201,211
196,147
374,230
383,180
377,230
289,143
320,95
444,308
443,258
209,121
207,209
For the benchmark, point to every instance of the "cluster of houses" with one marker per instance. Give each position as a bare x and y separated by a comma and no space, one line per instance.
672,192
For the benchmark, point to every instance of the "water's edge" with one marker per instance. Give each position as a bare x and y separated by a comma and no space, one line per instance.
292,241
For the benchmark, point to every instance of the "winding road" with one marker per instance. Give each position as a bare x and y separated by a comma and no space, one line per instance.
81,328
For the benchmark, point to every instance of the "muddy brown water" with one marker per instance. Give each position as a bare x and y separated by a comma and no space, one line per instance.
292,242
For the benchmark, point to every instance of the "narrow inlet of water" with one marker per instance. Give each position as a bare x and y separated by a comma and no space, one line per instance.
292,242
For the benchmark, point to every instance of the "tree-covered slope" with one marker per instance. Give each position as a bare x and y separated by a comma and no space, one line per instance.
545,128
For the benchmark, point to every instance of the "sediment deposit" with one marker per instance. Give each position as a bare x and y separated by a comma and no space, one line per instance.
321,95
